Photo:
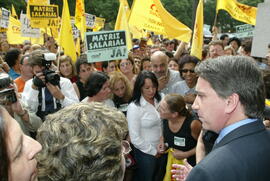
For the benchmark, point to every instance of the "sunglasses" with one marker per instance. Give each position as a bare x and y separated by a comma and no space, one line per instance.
187,70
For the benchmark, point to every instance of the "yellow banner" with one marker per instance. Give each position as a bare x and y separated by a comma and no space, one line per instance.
99,24
197,39
152,16
43,16
14,32
238,11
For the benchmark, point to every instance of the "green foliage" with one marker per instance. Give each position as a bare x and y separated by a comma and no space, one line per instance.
181,9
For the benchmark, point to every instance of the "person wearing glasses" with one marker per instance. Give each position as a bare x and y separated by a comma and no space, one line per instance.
126,66
84,141
186,87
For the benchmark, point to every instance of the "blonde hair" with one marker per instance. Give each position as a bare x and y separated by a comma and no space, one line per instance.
66,58
82,142
115,77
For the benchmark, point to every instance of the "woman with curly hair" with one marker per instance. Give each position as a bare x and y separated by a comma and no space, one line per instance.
82,142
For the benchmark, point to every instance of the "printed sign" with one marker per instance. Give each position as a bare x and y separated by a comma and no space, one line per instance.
75,30
90,20
106,45
43,16
43,11
26,30
4,18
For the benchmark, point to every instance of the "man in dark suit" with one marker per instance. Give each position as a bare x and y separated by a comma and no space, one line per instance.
230,102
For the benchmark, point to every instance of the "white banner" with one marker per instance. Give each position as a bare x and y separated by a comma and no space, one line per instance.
90,20
4,18
26,30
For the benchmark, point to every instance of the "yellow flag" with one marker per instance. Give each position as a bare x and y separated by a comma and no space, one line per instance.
13,12
66,38
152,16
238,11
78,46
197,39
40,2
80,20
122,21
14,32
99,24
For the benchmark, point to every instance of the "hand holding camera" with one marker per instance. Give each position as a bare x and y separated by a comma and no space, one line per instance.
47,75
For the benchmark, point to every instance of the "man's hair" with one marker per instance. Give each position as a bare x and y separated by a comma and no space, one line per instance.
80,61
36,57
12,56
95,83
82,142
238,41
216,42
247,45
223,36
23,57
236,74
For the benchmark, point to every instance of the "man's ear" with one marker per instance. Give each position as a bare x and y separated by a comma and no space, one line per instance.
232,102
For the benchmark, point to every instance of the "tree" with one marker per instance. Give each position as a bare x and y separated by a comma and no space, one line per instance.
180,9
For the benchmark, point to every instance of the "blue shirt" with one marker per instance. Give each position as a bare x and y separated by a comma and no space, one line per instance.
232,127
14,75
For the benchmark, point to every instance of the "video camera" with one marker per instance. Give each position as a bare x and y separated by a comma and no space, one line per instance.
7,92
50,75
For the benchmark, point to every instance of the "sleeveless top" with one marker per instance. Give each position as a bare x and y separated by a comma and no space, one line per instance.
182,140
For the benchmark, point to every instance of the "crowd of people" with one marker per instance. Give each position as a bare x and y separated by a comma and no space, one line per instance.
159,114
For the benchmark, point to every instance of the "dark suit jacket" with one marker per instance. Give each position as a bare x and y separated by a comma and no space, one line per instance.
242,155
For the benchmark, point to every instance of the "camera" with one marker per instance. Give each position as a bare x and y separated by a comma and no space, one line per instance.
7,92
50,75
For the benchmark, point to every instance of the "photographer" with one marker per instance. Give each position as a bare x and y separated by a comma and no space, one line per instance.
27,120
47,92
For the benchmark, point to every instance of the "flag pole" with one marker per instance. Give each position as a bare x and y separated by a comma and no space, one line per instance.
215,20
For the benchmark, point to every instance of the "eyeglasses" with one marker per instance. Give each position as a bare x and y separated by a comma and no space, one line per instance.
126,147
124,64
187,70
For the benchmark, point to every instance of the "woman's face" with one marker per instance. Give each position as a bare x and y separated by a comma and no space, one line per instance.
85,71
104,92
147,66
119,88
21,151
4,46
126,66
66,69
173,65
163,110
188,73
111,67
148,89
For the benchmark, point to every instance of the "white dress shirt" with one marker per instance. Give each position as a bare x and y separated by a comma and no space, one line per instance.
30,95
144,126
